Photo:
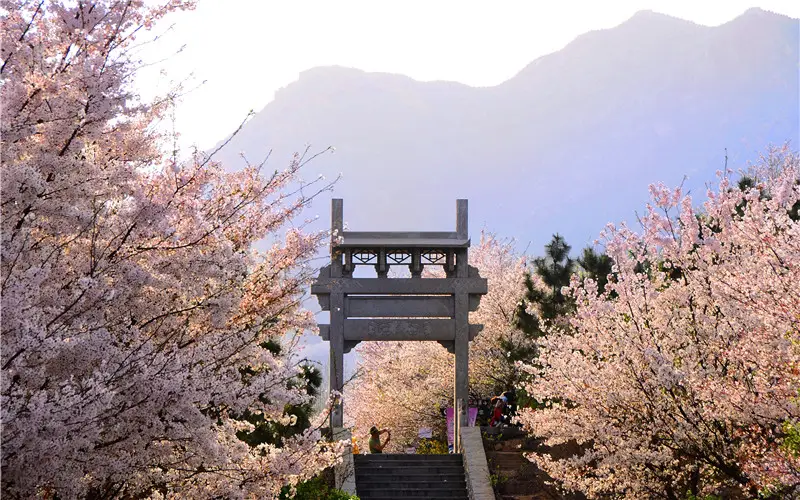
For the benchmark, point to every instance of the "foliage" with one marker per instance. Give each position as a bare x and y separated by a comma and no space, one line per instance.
680,377
596,267
137,318
497,479
432,447
791,441
544,303
543,308
315,489
493,367
297,417
555,268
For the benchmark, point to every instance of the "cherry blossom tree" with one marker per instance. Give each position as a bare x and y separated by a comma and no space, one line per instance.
492,369
135,310
401,386
682,376
404,385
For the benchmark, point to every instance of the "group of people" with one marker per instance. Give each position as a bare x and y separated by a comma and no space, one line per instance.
503,408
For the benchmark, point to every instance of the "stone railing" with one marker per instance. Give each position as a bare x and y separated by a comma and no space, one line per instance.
476,469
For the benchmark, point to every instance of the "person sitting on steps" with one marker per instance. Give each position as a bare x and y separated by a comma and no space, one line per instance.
375,445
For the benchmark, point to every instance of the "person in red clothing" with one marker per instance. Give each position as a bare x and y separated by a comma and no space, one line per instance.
497,415
499,403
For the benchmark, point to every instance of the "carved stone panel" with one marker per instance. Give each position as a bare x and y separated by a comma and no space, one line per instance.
392,306
399,329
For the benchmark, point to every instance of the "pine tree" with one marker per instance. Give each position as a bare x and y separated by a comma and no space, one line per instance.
596,266
274,432
554,269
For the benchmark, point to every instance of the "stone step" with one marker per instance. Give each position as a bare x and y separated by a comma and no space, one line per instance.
408,478
538,496
521,479
401,456
411,469
385,476
387,492
503,432
409,463
499,443
507,459
421,483
396,497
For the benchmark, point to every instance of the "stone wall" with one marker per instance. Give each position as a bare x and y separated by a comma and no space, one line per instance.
476,469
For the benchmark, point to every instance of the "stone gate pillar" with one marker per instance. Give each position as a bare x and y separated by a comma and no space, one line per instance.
337,315
461,342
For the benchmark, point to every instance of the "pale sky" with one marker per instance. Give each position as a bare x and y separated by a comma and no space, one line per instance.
245,50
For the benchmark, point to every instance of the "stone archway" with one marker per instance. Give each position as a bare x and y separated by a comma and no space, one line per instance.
415,308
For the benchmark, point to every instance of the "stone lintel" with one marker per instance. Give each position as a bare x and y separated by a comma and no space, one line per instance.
378,235
400,242
358,330
449,345
402,286
474,302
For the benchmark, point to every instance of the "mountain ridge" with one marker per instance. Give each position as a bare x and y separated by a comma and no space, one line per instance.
644,15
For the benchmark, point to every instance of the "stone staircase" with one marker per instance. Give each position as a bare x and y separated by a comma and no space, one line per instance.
384,476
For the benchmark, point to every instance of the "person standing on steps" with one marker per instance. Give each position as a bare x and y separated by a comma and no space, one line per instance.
375,445
498,403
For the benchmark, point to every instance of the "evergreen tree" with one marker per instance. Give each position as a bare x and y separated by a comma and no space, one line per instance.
554,269
274,432
547,306
596,266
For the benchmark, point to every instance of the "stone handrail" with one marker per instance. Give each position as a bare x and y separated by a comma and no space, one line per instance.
476,468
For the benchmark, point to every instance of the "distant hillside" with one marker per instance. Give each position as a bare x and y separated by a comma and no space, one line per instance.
569,144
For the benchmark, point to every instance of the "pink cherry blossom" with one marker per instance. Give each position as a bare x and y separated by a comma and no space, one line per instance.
132,297
682,376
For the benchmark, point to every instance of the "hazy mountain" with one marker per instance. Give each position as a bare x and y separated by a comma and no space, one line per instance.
568,144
